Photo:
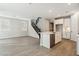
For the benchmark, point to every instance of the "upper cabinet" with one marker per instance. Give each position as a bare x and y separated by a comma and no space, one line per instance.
58,21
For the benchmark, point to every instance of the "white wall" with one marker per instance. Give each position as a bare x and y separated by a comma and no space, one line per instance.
74,26
16,28
43,25
31,31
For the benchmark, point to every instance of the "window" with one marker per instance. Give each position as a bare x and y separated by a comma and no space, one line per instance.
4,25
24,28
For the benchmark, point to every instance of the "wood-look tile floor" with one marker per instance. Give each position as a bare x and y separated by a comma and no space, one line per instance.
28,46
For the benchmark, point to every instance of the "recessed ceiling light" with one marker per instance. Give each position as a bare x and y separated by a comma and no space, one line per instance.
69,3
50,11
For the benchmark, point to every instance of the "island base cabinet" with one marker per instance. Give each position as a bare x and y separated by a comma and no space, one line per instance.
47,40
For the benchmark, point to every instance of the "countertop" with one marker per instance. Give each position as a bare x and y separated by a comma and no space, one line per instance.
47,32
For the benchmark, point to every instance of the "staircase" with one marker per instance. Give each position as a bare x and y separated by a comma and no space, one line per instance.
34,25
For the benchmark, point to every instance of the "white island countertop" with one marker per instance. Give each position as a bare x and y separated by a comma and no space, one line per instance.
47,32
46,39
78,36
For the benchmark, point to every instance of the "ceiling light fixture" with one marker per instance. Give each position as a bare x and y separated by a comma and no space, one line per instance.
69,3
50,11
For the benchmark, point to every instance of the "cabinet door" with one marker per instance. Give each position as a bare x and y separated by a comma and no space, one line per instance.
59,21
46,40
57,37
52,40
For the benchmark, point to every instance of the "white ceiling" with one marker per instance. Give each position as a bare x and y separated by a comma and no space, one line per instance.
30,10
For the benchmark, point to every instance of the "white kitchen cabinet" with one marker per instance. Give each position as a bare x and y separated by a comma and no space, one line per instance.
47,39
57,37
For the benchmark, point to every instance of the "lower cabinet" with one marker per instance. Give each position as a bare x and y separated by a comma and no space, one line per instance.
57,37
47,39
